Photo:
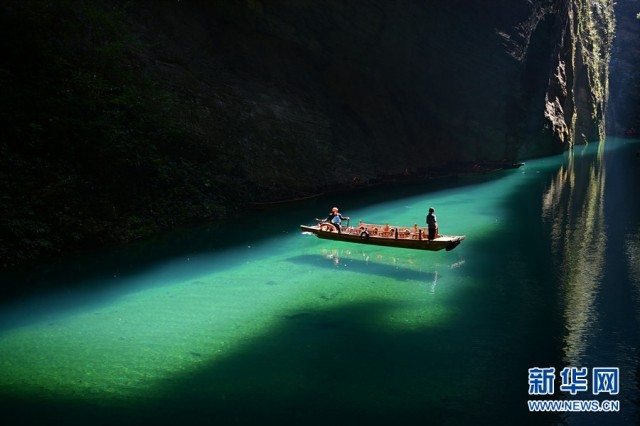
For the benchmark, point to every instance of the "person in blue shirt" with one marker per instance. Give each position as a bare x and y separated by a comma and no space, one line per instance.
432,224
335,218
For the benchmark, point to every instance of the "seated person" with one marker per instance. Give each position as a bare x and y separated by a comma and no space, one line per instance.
335,218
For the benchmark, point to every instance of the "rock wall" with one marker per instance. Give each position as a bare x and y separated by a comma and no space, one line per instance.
624,104
119,119
437,81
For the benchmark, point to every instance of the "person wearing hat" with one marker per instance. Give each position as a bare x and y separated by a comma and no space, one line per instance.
335,218
432,224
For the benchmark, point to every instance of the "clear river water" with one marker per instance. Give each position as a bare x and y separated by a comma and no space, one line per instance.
251,321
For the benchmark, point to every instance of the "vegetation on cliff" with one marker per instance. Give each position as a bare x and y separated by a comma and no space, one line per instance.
120,119
92,151
595,32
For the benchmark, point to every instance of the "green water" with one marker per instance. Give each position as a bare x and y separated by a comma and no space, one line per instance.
251,321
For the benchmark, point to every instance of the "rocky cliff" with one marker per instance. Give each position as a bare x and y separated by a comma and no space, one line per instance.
624,104
120,119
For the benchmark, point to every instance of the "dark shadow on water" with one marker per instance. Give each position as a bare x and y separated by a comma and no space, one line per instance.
361,266
334,366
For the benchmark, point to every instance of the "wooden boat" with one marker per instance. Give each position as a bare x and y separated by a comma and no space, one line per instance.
384,235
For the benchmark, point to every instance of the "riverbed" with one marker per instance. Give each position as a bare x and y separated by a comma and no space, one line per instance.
250,320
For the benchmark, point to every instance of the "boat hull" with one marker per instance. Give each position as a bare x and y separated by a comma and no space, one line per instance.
354,235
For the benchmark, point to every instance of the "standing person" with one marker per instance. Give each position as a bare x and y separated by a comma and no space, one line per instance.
335,218
432,224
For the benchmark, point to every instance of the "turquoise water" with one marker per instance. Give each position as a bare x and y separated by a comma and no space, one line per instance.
250,320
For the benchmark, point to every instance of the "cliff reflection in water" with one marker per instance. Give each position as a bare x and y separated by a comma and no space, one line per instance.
633,260
573,207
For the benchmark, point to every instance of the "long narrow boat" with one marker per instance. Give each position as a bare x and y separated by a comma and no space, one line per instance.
385,235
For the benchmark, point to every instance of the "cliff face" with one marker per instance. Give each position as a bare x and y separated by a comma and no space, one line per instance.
624,104
578,89
122,118
438,81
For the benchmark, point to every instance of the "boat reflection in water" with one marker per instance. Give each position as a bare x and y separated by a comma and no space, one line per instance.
407,268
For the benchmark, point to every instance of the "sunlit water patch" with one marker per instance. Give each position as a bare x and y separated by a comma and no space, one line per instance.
123,347
252,313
